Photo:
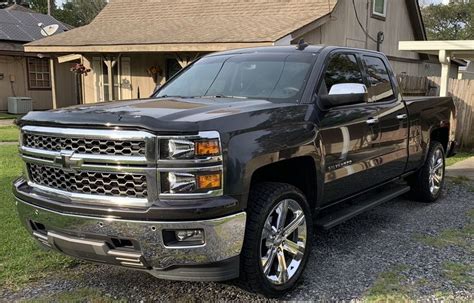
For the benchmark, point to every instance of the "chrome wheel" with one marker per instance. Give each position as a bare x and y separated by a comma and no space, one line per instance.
283,241
436,171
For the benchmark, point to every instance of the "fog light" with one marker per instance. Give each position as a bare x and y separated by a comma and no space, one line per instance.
189,235
183,237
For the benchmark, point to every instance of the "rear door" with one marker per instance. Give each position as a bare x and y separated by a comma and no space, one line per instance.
392,115
348,133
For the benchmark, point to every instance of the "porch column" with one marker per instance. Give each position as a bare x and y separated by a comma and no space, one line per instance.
53,83
445,60
110,65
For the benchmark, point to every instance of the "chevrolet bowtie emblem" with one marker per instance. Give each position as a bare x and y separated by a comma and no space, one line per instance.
67,161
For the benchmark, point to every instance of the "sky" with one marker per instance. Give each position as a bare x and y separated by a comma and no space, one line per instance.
435,1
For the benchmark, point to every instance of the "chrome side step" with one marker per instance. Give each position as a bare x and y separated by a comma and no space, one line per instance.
335,218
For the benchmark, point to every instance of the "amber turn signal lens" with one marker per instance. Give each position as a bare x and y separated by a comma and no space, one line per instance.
210,181
207,148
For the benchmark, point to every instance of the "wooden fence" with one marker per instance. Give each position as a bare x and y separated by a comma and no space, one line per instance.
462,92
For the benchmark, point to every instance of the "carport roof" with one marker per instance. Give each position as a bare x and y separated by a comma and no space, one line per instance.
446,50
462,49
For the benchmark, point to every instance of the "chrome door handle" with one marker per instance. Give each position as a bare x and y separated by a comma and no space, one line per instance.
372,121
402,116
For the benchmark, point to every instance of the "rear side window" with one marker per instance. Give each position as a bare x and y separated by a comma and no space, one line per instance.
377,74
342,68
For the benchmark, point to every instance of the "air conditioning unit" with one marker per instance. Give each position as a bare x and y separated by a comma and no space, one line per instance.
19,105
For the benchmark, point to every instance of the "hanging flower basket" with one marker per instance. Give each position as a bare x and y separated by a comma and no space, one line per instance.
80,69
154,72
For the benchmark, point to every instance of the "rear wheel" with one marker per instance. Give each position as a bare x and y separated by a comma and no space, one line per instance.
277,240
427,184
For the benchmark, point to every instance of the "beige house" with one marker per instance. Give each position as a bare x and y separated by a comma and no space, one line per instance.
29,74
132,46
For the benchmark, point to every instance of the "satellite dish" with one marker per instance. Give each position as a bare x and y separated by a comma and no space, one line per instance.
48,30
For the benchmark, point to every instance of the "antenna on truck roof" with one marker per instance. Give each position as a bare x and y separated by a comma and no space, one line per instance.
301,45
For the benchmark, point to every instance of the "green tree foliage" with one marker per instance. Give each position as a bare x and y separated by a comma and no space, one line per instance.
41,6
449,22
75,12
80,12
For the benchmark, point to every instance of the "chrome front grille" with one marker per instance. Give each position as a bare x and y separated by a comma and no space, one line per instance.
93,183
106,167
92,166
83,145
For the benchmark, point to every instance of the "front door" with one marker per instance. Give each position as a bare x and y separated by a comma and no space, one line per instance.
349,133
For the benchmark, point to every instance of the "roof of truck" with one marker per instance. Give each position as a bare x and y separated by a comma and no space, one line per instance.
288,49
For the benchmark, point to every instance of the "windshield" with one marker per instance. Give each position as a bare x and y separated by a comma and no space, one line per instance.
274,77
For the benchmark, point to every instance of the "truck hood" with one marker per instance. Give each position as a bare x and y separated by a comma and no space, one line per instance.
168,115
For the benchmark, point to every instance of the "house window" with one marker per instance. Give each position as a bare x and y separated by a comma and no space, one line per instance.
39,76
106,82
379,8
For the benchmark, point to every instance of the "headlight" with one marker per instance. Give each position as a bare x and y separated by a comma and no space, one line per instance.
198,182
203,148
191,166
177,149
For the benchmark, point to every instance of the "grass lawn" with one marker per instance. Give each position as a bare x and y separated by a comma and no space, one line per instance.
461,237
9,134
21,260
6,116
458,157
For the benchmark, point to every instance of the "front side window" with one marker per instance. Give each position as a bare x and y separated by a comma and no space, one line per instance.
39,76
377,74
379,8
273,77
342,68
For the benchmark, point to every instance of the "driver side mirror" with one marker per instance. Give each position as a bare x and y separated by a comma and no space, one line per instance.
344,94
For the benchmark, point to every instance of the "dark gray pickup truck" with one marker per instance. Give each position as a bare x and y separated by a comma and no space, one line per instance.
225,170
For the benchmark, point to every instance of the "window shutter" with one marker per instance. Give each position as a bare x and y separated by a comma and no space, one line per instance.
125,78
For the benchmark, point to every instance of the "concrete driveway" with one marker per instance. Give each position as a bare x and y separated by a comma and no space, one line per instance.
463,169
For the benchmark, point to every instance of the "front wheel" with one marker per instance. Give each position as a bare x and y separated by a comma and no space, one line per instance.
427,184
277,239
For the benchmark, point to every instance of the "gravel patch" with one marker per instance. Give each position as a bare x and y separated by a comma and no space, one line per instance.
345,262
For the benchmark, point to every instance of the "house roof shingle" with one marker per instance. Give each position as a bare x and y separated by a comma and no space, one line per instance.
193,21
22,26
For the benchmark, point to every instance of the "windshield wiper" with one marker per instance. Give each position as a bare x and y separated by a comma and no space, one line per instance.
176,96
224,96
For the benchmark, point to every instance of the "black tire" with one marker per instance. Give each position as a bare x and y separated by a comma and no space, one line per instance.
421,187
263,200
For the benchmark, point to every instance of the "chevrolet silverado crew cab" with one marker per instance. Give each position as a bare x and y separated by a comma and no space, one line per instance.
223,171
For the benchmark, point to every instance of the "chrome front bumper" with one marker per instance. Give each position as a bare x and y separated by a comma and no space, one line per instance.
96,239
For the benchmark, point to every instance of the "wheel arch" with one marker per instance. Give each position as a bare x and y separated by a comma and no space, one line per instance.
441,135
300,172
